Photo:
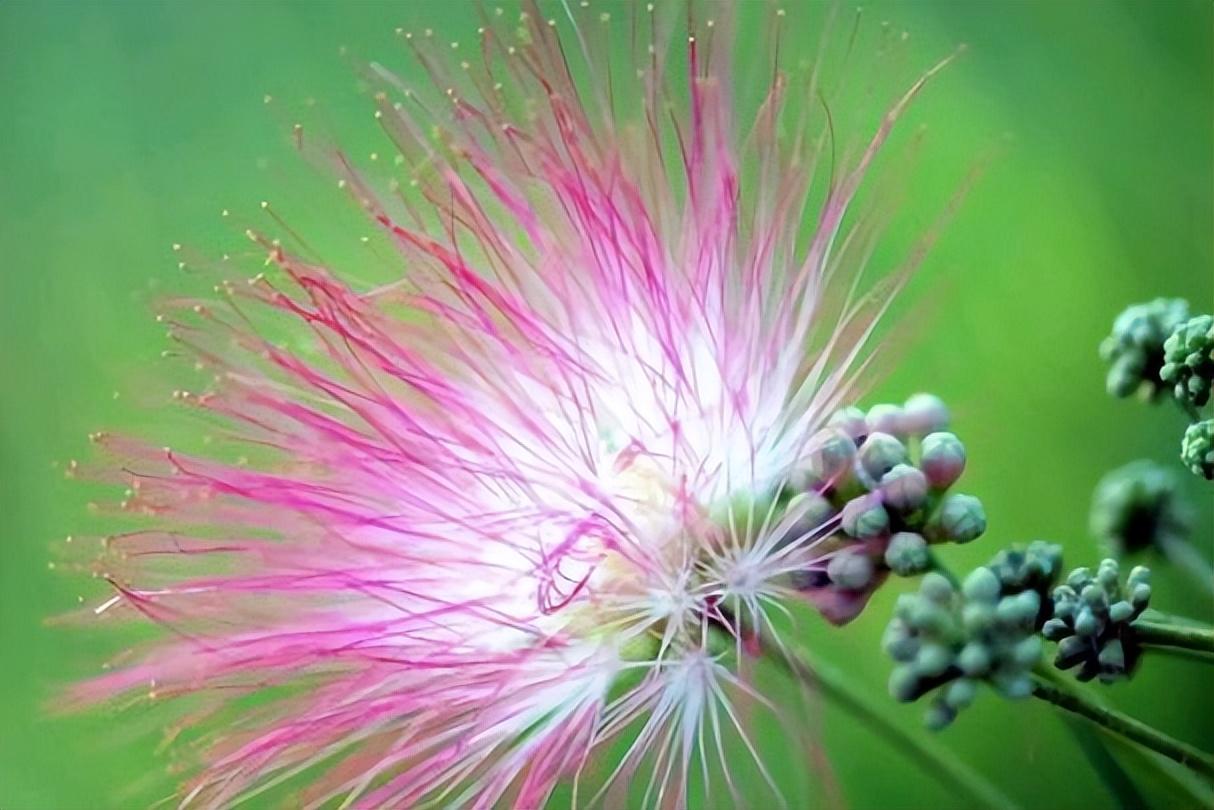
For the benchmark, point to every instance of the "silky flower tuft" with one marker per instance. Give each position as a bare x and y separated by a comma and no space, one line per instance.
463,529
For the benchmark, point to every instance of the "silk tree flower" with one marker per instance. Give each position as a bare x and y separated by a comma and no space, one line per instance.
461,530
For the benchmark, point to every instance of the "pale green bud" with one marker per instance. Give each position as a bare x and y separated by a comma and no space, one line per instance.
864,517
885,418
880,453
850,570
904,488
906,554
942,459
923,414
959,518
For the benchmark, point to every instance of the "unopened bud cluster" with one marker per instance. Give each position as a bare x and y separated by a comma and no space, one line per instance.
1092,620
1197,448
1137,507
948,641
881,481
1135,348
1188,365
1156,347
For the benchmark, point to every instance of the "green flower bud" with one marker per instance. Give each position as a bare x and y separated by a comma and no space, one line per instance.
850,422
906,554
960,693
942,459
1135,349
933,660
1092,628
1055,629
1071,650
1189,361
974,659
864,517
939,715
1034,567
880,453
936,588
850,570
1112,657
904,683
1027,652
923,414
885,418
831,460
1014,686
981,585
899,644
1197,449
903,488
959,518
977,617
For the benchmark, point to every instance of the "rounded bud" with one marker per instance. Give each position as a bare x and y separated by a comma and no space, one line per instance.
959,518
942,459
960,693
850,422
981,585
974,659
831,459
885,418
933,659
850,570
936,588
906,554
865,518
939,715
880,453
904,683
923,414
1197,448
904,488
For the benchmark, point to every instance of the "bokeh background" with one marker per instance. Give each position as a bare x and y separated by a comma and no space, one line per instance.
127,126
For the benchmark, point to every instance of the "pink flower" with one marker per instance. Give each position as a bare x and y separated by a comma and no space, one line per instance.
466,527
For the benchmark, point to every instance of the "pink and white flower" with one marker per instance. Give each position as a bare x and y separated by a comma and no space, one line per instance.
493,515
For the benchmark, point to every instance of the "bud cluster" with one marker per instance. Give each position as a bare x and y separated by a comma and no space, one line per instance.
1092,621
1197,448
1188,365
1135,348
1137,507
948,641
879,481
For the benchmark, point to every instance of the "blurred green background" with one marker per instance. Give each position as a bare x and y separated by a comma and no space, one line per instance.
128,126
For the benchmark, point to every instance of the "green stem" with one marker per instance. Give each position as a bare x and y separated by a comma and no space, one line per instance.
1160,634
934,758
934,564
1116,723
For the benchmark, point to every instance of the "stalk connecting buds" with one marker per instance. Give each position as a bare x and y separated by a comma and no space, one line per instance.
1092,621
1135,349
877,482
1138,507
1197,448
948,641
1188,356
